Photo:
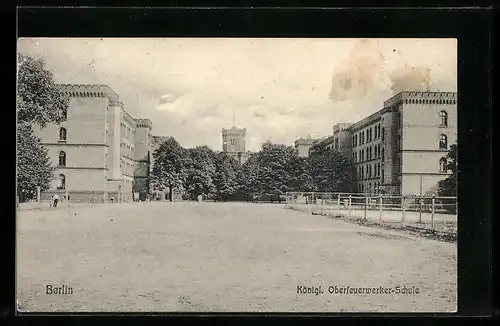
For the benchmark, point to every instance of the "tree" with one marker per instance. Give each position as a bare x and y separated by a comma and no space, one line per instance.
169,170
38,102
33,164
330,170
273,175
448,186
248,189
39,99
300,174
200,173
226,179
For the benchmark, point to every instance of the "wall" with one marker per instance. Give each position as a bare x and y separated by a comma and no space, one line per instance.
411,184
421,132
390,182
238,135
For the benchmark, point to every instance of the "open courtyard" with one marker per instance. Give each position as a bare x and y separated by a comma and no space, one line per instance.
223,257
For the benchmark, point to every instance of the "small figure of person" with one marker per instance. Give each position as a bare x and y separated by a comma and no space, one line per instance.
55,200
112,200
200,198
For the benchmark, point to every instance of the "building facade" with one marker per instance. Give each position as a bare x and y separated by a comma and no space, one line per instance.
400,149
233,144
99,147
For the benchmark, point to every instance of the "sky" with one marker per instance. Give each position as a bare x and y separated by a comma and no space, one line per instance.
278,89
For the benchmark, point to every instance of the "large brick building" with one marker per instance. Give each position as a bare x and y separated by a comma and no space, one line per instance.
100,151
400,148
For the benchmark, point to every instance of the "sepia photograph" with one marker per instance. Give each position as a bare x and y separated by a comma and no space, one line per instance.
236,175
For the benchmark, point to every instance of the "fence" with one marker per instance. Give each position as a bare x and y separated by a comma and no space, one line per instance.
435,213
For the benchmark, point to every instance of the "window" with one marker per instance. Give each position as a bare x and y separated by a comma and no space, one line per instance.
383,133
62,158
383,175
443,117
62,134
61,182
442,165
383,154
443,142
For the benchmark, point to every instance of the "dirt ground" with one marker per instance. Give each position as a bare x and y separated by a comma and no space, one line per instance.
223,257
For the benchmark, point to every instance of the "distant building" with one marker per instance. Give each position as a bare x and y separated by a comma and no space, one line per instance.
100,151
302,146
233,144
399,149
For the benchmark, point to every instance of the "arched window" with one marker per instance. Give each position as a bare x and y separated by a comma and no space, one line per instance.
383,154
62,158
61,182
443,118
383,133
443,142
62,134
442,164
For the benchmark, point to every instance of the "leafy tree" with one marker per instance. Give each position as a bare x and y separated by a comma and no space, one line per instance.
170,165
248,188
200,173
39,99
273,175
448,186
226,180
38,102
300,174
33,164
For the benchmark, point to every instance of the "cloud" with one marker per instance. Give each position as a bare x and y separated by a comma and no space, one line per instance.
354,78
167,98
410,79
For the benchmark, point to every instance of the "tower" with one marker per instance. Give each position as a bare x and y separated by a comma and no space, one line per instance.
233,143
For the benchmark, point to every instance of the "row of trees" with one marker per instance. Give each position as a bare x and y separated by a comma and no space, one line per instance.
39,102
267,175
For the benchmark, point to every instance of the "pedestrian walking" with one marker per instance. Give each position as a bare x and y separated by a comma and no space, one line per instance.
55,200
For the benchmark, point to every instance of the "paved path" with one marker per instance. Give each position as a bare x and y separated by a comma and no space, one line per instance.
223,257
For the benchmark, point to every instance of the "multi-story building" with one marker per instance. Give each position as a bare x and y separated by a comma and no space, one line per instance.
302,146
98,148
400,149
233,144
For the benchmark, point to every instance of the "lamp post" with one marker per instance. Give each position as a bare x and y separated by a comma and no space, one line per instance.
420,200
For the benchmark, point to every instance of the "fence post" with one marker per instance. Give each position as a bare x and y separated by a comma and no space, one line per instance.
421,203
433,211
366,205
403,209
338,204
380,208
349,205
